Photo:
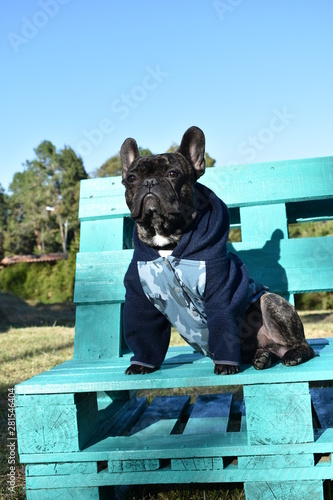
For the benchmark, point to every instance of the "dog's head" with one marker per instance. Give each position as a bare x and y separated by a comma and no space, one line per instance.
160,190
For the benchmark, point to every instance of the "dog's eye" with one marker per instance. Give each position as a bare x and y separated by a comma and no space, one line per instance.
173,174
131,178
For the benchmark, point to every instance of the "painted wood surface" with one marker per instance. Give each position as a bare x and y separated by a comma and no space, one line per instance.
53,426
76,493
291,490
297,265
164,476
181,446
278,413
241,185
160,418
96,375
210,415
97,331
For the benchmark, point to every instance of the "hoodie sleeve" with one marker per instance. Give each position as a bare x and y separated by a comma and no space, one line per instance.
146,330
225,305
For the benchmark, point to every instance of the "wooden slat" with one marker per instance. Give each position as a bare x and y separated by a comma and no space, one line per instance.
160,418
181,445
127,419
163,408
276,461
241,185
61,468
311,490
56,427
69,493
263,223
100,276
210,414
278,413
102,235
97,331
296,265
199,373
272,182
166,476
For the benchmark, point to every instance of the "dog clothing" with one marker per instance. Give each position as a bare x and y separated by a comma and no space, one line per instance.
201,289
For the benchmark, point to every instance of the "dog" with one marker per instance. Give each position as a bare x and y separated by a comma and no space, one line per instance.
182,274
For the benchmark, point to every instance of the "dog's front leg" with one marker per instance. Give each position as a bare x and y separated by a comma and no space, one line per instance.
225,369
139,370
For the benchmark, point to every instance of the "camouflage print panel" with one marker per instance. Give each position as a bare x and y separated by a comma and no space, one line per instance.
176,288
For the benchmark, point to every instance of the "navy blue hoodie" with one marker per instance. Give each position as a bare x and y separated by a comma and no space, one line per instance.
201,288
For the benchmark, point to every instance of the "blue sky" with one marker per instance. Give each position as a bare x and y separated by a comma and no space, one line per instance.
255,75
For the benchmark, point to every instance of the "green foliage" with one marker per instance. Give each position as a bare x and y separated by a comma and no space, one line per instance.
314,301
13,278
3,218
41,282
210,162
49,180
145,152
173,148
112,166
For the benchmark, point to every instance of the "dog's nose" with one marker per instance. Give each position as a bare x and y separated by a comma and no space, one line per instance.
150,183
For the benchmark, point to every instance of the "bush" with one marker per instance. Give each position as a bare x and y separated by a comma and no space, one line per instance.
311,301
12,279
40,282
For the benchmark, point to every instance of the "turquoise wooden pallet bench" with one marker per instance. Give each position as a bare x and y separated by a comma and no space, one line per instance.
81,428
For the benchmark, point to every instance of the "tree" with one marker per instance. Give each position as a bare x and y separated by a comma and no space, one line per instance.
27,219
50,180
210,162
112,166
66,201
3,218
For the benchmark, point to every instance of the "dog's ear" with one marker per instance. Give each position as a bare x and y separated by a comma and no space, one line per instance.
128,153
193,148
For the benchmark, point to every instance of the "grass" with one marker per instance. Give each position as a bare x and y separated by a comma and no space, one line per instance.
27,351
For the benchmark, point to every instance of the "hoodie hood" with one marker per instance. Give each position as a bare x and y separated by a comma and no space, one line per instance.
205,238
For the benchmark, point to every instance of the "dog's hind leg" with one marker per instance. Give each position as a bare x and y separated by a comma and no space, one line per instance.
254,340
282,333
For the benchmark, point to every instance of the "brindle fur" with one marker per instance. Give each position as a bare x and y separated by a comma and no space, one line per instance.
273,330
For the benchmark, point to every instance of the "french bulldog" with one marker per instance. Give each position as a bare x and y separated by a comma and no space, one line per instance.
182,274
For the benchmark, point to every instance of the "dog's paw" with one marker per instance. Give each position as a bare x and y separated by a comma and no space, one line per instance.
297,355
262,359
292,357
139,370
225,369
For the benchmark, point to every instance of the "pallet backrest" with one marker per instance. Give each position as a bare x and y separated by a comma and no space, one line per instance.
263,199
